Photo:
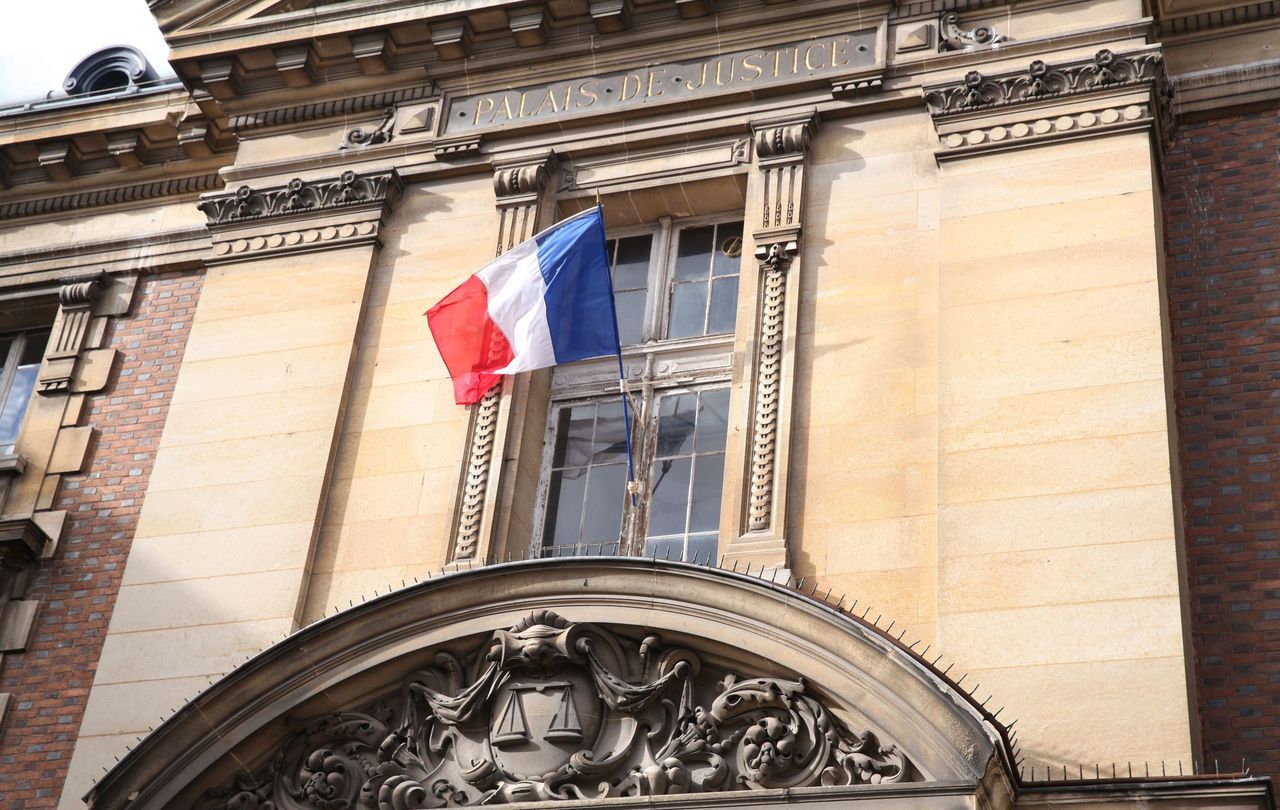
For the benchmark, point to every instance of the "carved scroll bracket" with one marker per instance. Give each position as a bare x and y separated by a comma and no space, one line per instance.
521,187
781,146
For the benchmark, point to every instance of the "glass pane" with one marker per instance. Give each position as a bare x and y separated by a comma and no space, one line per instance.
573,437
603,519
564,507
630,306
669,496
667,548
724,305
676,422
611,433
708,481
631,265
728,250
33,348
688,310
713,420
702,547
693,258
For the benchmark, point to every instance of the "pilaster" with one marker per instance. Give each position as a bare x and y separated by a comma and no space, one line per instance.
781,147
493,448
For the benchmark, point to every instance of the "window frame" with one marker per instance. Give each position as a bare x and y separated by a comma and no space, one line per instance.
9,373
655,368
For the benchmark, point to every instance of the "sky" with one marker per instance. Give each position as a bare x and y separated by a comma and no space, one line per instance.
43,40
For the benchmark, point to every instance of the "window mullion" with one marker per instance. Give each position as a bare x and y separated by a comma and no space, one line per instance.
10,367
659,298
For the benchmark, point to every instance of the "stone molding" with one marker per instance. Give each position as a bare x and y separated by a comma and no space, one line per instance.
246,122
553,710
1219,18
300,196
1049,128
75,301
109,196
1042,81
519,187
924,8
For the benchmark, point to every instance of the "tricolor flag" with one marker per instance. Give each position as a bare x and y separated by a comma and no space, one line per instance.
546,301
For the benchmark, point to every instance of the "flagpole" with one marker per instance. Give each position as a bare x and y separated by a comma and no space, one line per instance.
622,374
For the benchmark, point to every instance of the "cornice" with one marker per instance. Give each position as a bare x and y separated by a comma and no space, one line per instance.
1041,81
300,196
1220,18
247,122
110,196
1038,129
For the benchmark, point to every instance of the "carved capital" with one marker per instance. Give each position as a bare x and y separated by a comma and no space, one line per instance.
790,139
523,179
300,196
552,710
1106,70
75,304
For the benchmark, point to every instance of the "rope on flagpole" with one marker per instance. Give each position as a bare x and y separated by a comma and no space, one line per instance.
633,486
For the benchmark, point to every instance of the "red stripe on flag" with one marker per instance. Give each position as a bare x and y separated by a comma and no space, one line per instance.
471,344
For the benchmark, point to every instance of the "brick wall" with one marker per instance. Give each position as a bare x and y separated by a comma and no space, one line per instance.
1222,227
77,587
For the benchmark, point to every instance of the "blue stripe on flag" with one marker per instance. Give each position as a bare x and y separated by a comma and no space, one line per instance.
575,264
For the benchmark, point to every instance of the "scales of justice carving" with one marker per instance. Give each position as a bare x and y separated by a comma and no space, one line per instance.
550,710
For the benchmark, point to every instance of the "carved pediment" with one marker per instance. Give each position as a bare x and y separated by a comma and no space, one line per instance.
550,709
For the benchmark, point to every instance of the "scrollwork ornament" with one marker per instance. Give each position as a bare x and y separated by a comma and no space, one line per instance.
246,203
551,710
372,137
955,38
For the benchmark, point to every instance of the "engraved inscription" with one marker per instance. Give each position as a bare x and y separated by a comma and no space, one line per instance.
665,83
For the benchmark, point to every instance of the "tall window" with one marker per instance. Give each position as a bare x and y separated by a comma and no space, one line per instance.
676,291
20,354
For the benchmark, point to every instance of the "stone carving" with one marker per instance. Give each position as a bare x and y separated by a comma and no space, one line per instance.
786,140
553,710
353,105
370,137
529,178
1041,80
296,239
955,38
775,260
298,195
484,428
994,137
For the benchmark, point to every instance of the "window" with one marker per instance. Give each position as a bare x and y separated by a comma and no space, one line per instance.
676,292
20,354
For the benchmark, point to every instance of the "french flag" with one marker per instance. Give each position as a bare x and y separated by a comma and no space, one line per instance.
546,301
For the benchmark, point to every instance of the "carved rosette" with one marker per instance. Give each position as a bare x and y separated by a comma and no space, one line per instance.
1040,80
519,188
298,196
552,710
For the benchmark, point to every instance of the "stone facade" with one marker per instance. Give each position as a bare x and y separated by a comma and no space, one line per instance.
961,404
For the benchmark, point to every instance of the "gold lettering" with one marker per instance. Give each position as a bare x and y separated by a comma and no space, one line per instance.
550,96
626,83
747,64
522,100
809,51
568,94
777,61
583,91
655,73
506,110
795,61
481,109
836,45
702,81
720,81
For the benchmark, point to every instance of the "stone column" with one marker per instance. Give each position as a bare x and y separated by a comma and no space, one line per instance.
781,145
520,187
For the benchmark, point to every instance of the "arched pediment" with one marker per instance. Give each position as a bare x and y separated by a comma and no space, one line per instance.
565,679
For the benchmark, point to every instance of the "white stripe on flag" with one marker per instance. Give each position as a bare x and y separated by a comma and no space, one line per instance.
517,304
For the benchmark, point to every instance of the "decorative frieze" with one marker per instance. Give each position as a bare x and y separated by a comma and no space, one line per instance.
352,105
298,196
1106,70
552,710
1007,136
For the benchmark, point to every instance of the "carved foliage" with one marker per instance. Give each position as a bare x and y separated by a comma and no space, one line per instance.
552,710
775,260
298,195
1041,80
